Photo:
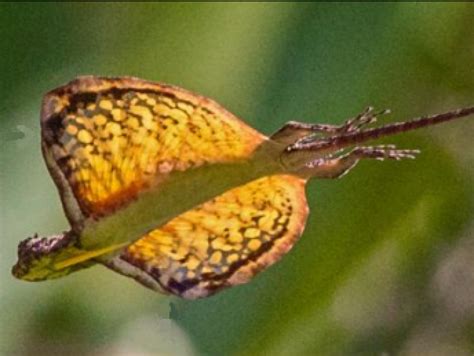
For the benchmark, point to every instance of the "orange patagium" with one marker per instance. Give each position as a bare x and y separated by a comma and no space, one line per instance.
169,188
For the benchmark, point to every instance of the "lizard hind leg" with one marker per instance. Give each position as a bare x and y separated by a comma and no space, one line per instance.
293,131
337,167
300,140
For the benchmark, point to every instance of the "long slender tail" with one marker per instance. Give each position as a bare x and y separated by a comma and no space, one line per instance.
348,139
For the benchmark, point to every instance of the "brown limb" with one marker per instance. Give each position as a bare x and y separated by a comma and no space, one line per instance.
339,166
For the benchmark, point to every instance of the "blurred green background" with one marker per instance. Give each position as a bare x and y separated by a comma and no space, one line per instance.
385,264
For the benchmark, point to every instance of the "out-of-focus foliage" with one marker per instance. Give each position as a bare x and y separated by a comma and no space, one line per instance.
385,263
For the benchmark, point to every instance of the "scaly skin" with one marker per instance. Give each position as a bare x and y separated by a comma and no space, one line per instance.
167,187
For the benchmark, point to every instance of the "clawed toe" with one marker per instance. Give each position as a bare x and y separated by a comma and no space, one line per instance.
365,118
383,152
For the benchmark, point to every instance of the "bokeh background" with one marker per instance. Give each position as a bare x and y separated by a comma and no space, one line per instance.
385,265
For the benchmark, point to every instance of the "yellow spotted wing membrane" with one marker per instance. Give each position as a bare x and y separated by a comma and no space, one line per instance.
222,242
106,139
